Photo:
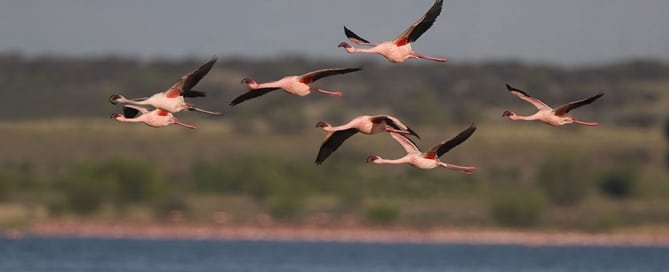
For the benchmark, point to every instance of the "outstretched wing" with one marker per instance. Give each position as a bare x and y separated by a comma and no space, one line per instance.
132,111
524,96
354,38
447,145
419,27
333,142
564,109
406,143
395,123
184,85
318,74
252,93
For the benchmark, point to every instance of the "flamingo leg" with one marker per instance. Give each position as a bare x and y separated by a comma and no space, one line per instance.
192,108
464,169
592,124
421,56
176,122
328,92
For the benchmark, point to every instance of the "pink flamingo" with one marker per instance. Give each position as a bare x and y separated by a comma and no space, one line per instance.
365,124
156,118
429,159
548,115
296,85
172,100
399,49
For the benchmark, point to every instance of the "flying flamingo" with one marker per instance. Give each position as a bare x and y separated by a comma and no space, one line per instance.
399,49
172,100
365,124
297,85
548,115
155,118
429,159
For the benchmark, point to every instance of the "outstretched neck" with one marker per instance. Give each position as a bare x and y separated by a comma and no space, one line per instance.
401,160
514,116
138,119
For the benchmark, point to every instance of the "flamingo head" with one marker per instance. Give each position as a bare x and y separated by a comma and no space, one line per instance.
114,98
344,45
116,115
507,114
322,124
247,80
372,158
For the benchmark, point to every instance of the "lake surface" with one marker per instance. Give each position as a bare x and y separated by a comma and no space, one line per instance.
129,255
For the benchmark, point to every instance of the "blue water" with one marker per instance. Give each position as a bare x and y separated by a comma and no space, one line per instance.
73,255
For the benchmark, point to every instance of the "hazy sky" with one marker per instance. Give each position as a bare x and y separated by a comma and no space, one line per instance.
559,31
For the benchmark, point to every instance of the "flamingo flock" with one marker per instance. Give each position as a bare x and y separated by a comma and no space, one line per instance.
167,103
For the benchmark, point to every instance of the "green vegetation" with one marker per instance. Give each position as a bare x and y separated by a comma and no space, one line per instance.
563,180
256,161
518,209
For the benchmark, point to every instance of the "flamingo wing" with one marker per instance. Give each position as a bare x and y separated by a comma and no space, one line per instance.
421,25
318,74
406,143
354,38
395,123
184,85
253,93
524,96
447,145
129,112
564,109
333,142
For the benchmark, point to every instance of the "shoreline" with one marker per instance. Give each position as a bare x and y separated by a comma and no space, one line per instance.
345,234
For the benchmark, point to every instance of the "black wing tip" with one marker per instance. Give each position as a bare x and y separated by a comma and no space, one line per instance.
513,89
193,93
509,87
412,132
130,112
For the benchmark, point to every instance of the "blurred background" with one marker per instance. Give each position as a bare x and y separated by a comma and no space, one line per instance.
62,158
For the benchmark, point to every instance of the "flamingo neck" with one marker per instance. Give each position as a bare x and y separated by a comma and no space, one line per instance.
514,116
402,160
138,119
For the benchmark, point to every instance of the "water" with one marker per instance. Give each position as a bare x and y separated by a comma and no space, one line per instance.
74,255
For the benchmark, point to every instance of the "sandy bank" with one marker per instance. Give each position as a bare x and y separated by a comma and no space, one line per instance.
348,234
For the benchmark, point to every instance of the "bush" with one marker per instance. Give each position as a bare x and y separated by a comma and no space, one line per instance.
89,185
619,182
561,179
286,206
170,203
383,215
523,209
84,194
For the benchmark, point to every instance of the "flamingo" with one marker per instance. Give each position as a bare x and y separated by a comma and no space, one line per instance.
429,159
297,85
365,124
399,49
548,115
156,118
172,100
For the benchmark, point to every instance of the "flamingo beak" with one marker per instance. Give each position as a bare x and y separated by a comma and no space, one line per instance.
372,158
115,115
246,81
344,45
507,113
114,99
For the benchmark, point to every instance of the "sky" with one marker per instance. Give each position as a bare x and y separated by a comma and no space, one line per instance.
565,32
